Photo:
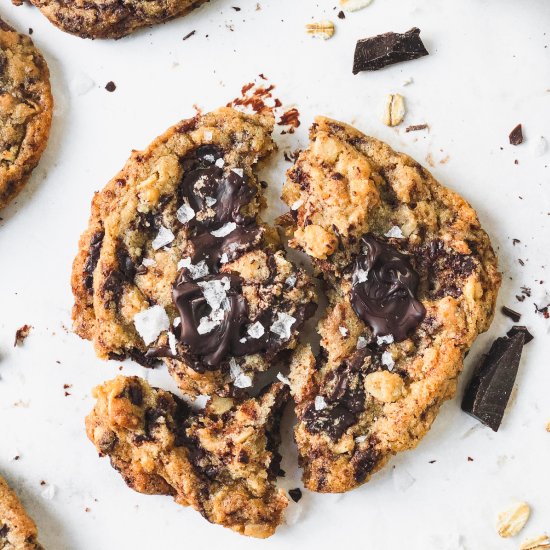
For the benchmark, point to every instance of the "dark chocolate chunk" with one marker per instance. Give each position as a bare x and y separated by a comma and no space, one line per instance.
516,135
386,49
93,257
333,420
520,328
110,86
489,389
295,494
4,530
341,15
365,461
383,290
510,313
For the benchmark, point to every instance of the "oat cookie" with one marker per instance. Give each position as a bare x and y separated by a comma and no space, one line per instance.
413,280
176,263
17,529
222,461
110,18
25,110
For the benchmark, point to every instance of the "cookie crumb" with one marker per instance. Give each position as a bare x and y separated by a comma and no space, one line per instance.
21,334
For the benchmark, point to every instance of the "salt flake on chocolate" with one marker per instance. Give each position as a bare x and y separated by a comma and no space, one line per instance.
290,281
172,343
361,342
240,379
224,230
238,171
381,340
151,322
219,163
395,232
281,327
214,292
256,330
210,201
361,275
185,213
283,378
195,271
164,237
320,403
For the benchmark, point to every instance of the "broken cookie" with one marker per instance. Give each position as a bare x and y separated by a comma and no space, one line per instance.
177,265
412,281
222,461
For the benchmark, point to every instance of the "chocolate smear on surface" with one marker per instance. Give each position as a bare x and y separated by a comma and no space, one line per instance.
217,193
488,392
386,49
383,290
516,135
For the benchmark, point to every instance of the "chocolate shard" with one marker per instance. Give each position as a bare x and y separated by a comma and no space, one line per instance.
386,49
511,314
516,135
521,328
489,390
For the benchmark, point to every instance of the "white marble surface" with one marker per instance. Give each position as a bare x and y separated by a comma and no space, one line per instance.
489,69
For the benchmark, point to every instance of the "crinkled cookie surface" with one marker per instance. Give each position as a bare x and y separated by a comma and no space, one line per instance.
412,281
26,107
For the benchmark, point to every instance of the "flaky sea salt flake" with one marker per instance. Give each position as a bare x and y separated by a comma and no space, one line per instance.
164,237
224,230
281,327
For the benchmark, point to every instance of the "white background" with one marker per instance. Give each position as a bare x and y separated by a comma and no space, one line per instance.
489,69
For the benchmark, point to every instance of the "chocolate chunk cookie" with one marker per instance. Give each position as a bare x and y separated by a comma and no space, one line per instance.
17,529
413,280
110,18
25,110
176,263
222,461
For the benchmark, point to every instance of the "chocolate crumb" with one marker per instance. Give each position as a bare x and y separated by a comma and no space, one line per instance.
21,334
295,494
189,35
432,461
30,30
416,127
515,241
521,328
521,262
16,457
110,86
236,8
386,49
341,15
516,136
510,313
470,459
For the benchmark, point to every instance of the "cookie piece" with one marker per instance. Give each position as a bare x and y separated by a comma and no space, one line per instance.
111,18
26,107
17,529
176,263
222,461
413,280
